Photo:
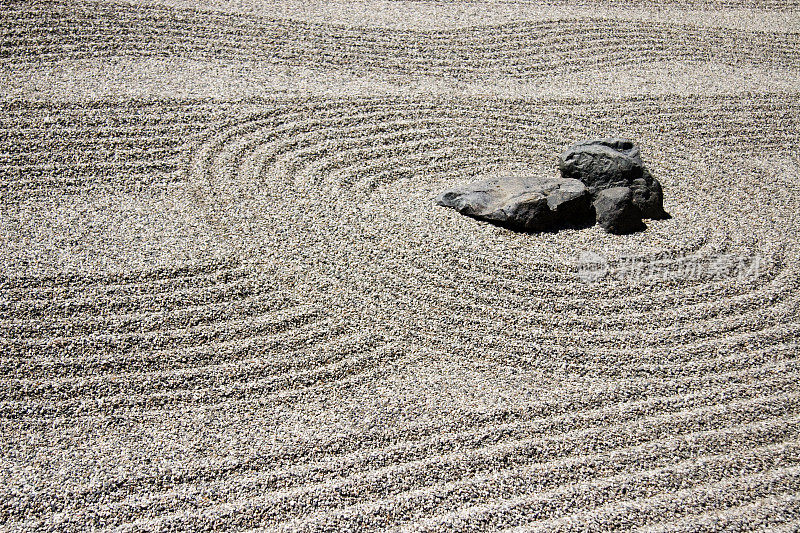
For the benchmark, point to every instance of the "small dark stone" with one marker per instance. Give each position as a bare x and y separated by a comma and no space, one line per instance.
523,202
616,211
606,163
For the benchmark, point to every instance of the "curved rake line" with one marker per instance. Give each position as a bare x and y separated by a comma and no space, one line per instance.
380,512
423,447
230,507
452,492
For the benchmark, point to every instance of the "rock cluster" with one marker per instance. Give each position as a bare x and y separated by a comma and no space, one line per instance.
603,180
607,163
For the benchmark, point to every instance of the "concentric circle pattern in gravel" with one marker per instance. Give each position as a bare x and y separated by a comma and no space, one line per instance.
229,305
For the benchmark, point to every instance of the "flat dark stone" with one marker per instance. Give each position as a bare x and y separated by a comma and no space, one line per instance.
524,203
607,163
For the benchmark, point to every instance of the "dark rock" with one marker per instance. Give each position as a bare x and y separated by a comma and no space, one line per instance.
523,202
616,210
606,163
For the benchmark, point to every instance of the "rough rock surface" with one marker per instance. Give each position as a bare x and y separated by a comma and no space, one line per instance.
616,211
606,163
523,202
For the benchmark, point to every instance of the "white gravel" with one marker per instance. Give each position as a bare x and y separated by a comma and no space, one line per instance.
228,302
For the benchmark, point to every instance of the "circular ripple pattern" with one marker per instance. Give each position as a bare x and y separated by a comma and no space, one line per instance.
336,196
365,360
369,358
358,177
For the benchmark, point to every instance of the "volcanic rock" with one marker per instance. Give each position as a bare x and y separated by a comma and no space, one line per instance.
616,211
523,202
606,163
